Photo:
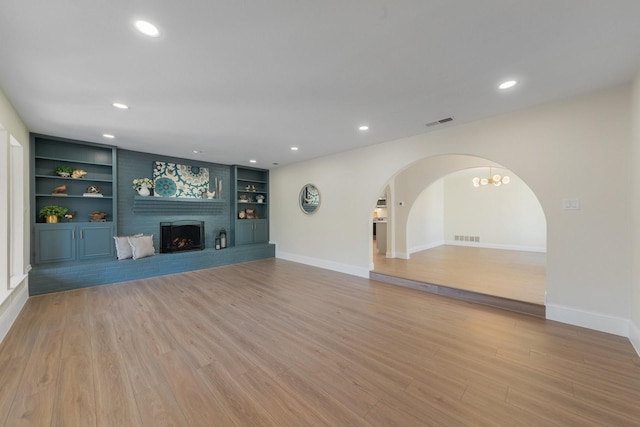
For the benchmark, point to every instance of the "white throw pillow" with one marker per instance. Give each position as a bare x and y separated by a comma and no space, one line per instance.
141,246
123,247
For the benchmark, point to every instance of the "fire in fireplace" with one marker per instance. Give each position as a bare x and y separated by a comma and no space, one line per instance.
180,236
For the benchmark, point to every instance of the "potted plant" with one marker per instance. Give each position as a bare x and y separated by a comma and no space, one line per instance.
64,171
51,214
143,186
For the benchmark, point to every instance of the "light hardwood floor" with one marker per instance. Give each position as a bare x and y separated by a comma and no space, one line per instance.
515,275
275,343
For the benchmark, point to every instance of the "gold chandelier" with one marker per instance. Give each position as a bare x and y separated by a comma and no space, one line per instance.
496,180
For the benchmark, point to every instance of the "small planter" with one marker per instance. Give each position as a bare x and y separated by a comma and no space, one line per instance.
52,214
64,171
51,219
144,191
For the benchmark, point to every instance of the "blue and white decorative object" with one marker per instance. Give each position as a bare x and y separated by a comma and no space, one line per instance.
174,180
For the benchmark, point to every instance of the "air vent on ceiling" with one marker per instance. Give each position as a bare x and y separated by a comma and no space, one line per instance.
439,122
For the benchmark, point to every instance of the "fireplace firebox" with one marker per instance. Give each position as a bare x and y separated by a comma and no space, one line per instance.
178,236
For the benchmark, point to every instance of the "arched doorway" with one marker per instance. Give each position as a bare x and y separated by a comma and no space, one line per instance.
488,240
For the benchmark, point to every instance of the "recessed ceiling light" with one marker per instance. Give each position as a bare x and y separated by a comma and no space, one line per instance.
294,148
147,28
108,135
120,106
253,161
507,84
196,151
363,127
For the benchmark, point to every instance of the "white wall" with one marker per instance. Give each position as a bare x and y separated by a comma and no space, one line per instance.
505,217
635,230
425,225
14,127
560,150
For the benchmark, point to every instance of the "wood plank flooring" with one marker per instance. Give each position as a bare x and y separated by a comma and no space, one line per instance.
275,343
516,275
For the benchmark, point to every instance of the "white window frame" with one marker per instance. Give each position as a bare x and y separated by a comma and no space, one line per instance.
4,214
17,210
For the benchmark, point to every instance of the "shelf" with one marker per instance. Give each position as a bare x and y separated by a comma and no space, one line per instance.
74,179
67,160
175,199
250,183
100,164
253,181
152,205
71,196
74,222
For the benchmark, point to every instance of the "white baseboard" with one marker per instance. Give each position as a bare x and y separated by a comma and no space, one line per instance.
591,320
634,336
15,302
496,246
399,255
323,263
425,247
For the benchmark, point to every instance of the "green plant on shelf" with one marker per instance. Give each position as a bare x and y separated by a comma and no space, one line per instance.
65,171
52,210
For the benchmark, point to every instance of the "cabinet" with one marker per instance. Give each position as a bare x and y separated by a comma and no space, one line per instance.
252,231
95,191
65,242
251,206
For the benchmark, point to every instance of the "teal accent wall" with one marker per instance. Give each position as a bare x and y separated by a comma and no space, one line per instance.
133,219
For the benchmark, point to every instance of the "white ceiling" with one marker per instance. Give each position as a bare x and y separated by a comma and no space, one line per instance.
244,80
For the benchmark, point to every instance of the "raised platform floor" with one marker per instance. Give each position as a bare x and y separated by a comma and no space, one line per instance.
464,295
48,278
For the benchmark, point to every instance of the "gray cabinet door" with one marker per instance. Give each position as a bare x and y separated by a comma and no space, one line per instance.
70,242
261,231
95,240
250,231
55,242
244,232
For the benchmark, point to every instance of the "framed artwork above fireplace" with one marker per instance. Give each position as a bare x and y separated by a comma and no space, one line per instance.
181,181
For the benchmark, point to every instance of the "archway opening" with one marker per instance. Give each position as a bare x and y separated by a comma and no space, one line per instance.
489,240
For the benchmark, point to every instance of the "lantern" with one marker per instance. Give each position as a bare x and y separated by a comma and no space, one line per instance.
223,238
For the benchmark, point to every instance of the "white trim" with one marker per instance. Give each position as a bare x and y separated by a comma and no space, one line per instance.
329,265
16,280
428,246
497,246
399,255
587,319
15,302
634,336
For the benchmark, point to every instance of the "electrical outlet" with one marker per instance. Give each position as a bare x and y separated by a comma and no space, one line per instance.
571,204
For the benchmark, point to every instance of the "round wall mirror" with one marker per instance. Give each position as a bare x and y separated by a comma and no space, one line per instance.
309,199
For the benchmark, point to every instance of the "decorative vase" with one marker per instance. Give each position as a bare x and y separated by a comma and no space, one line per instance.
51,219
144,191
